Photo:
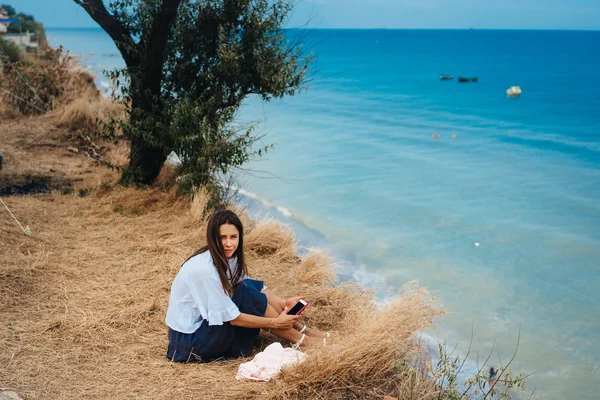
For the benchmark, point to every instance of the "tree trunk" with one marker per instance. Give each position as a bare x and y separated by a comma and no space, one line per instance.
145,59
144,163
145,160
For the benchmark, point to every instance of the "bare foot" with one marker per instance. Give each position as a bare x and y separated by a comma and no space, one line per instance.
312,341
317,333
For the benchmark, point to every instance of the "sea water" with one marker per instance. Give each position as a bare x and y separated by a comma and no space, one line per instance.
499,217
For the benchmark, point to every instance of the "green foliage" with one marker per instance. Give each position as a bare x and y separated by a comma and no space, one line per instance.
26,23
209,148
185,97
9,51
11,10
479,386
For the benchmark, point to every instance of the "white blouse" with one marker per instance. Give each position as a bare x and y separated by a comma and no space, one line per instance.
197,294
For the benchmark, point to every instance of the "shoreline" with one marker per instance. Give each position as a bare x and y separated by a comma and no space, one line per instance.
311,239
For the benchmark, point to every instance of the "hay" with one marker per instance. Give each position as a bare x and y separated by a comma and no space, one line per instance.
365,362
83,300
7,111
81,114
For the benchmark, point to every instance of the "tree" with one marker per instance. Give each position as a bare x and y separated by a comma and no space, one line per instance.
10,9
10,51
189,66
27,23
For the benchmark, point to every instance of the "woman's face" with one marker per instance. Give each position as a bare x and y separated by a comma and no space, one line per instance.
230,237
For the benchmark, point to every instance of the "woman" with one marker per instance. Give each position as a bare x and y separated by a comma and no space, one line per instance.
216,311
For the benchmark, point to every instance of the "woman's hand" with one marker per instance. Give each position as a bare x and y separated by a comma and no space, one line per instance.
284,321
291,302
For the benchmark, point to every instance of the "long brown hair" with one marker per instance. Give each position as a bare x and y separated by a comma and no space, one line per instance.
217,252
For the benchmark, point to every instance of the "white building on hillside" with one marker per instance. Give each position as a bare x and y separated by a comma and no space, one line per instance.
20,39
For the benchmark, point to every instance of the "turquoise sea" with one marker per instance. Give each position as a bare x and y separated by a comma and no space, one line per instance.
502,223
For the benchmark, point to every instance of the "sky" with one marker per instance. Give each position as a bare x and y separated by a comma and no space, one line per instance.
388,14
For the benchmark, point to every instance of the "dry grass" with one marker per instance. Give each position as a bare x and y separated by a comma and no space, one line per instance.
43,84
8,112
35,146
368,359
82,113
83,300
56,84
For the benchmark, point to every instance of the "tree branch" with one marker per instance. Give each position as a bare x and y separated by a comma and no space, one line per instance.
113,26
156,43
505,367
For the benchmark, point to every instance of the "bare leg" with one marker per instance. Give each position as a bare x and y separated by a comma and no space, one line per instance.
289,334
276,301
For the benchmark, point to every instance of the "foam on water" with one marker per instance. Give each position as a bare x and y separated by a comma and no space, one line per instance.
284,211
265,203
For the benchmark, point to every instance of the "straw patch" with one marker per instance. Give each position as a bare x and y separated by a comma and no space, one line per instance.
8,112
364,362
81,114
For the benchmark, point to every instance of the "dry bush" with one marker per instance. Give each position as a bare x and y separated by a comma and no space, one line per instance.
118,153
36,86
198,207
83,113
7,111
167,178
79,84
367,357
269,239
87,114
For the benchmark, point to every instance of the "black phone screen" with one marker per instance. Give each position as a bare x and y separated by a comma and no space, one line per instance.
297,308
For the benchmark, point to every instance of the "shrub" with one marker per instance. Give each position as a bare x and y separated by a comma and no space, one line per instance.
38,86
84,114
9,51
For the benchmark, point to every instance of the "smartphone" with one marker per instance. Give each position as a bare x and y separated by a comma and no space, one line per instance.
298,308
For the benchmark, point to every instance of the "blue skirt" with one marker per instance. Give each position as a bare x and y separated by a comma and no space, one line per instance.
214,342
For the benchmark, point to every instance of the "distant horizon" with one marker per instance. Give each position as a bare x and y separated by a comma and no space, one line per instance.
387,29
559,15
